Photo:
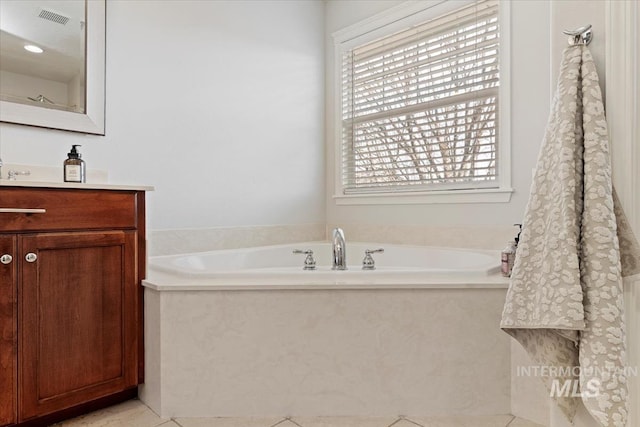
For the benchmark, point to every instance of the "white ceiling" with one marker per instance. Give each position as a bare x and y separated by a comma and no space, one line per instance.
63,45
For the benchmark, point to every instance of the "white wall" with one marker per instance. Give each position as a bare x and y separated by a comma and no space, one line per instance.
530,101
218,104
27,86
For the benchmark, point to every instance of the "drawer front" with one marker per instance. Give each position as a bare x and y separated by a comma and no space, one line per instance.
66,209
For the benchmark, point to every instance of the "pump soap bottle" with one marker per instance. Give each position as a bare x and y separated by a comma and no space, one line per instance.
74,167
509,254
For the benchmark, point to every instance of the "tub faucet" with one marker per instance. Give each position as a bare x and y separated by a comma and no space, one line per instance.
339,250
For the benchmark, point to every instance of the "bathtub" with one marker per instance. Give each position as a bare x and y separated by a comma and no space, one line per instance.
277,266
249,333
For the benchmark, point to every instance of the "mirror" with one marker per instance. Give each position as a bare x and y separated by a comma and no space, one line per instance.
52,64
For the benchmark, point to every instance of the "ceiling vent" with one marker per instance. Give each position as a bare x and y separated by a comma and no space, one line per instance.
52,16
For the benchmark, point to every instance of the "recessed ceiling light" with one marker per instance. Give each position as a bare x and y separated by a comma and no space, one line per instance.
33,48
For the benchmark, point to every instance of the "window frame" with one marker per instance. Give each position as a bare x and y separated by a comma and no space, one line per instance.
389,22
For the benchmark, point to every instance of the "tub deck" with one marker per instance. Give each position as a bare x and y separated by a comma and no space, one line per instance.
275,267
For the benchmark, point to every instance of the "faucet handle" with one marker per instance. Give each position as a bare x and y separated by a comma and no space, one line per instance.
368,263
13,174
309,261
373,251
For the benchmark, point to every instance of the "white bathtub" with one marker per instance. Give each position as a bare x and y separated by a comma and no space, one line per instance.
276,266
249,333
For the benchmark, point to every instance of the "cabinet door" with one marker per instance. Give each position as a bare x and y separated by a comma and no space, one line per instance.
8,327
77,317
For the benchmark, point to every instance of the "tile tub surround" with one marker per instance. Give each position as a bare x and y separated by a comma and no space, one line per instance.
467,237
135,413
375,353
529,397
169,242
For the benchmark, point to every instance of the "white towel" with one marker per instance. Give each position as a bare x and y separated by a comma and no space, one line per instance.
565,300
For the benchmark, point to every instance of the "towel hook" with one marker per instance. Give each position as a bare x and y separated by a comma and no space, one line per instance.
582,35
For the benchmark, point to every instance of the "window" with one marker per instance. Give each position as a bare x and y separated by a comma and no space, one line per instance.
420,106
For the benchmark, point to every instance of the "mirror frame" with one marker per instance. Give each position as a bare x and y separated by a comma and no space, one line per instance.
92,121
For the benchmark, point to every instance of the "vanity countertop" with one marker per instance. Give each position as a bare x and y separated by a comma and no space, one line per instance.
82,186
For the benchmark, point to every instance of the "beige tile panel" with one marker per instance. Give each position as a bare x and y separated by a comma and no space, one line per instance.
168,242
463,421
333,353
232,422
127,414
529,397
287,423
404,423
348,421
135,414
519,422
472,237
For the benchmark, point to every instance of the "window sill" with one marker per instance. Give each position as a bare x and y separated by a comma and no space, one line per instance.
483,195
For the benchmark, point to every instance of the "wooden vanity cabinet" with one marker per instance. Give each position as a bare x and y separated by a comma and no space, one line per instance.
8,331
71,303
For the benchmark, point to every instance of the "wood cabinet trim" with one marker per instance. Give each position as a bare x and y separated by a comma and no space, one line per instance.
8,333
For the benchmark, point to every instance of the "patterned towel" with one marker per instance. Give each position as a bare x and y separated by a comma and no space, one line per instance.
565,299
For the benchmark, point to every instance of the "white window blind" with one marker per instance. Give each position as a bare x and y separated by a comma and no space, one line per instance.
419,107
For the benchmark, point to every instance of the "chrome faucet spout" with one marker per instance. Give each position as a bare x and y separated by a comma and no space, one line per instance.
339,250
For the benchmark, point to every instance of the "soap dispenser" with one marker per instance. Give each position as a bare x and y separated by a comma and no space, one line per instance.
508,256
74,167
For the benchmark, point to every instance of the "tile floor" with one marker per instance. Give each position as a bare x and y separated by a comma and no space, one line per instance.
134,413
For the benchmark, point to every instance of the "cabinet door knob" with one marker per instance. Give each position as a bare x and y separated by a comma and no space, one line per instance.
31,257
6,259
